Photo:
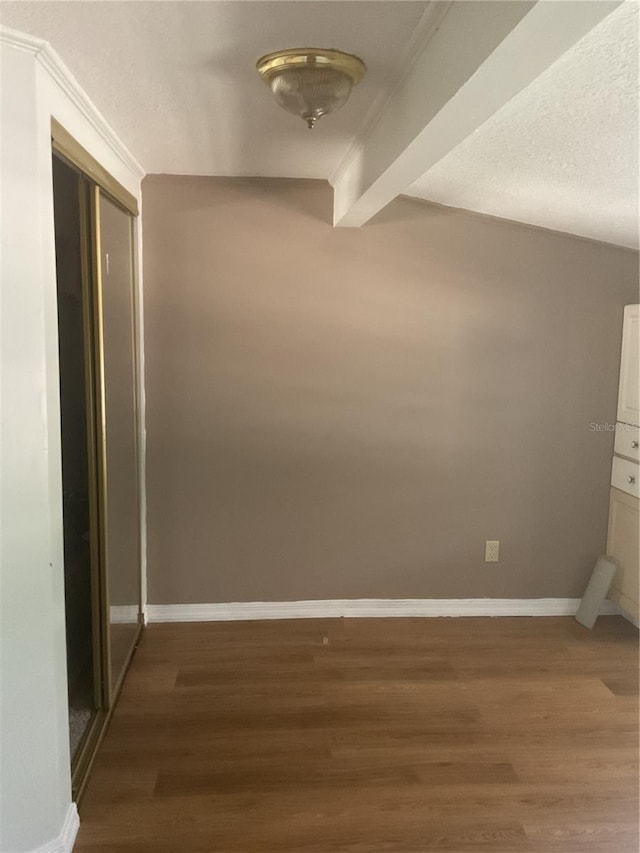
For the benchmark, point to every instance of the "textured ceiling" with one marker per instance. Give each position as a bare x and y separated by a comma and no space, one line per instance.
177,80
563,154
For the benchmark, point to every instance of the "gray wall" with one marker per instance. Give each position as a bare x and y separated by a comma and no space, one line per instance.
337,413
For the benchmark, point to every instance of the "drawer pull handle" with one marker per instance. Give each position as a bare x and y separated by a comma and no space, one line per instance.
634,444
631,479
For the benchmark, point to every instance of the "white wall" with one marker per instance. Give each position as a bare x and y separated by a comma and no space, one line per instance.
35,787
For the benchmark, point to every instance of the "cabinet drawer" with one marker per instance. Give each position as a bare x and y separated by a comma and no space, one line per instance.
627,441
624,476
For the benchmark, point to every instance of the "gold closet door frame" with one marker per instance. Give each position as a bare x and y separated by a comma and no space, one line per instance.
84,187
65,144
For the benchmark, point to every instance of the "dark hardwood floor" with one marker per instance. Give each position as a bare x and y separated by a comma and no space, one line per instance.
366,736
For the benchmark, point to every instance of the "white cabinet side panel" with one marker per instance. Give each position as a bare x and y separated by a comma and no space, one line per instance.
629,389
623,544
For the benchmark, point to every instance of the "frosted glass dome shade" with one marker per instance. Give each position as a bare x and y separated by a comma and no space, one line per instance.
311,82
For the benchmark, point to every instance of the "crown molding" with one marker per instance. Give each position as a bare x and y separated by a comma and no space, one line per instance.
124,614
427,26
58,71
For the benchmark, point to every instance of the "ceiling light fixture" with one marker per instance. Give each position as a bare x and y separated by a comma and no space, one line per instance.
309,81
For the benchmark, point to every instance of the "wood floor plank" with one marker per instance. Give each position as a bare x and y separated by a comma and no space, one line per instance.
366,736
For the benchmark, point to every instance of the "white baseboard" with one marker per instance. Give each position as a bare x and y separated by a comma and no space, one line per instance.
367,607
66,839
123,613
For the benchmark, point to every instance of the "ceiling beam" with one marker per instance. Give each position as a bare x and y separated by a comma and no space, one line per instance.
480,57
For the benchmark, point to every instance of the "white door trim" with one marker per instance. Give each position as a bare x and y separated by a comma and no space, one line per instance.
66,839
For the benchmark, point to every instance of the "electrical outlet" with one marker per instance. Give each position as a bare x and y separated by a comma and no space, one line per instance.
491,551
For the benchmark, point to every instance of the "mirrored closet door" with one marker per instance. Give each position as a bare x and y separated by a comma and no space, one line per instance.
79,469
95,266
115,228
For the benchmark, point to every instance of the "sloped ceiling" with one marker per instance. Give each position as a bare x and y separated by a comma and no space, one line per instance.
177,82
562,154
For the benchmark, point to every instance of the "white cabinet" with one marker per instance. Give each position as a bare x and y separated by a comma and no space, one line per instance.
629,390
624,503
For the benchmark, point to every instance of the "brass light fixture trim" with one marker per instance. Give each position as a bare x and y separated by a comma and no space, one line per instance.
310,81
